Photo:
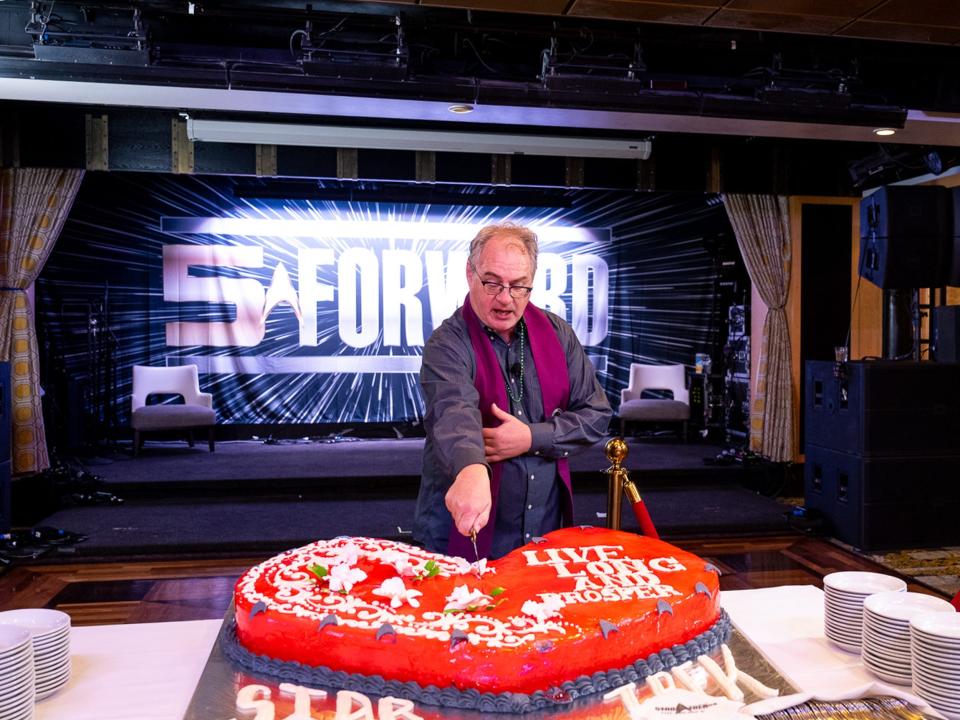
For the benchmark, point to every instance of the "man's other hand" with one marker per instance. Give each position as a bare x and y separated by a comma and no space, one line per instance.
468,499
511,438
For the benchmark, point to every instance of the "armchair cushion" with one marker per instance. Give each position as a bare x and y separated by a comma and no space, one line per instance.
167,417
663,410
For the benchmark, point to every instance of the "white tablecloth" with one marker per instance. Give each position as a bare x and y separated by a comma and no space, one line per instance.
149,671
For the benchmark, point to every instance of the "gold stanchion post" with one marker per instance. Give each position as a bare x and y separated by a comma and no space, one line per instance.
616,450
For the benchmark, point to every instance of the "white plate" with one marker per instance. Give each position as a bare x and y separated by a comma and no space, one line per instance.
56,657
24,658
12,639
939,625
846,627
39,621
18,711
849,647
844,634
894,678
863,583
901,606
51,691
54,677
946,659
925,689
887,641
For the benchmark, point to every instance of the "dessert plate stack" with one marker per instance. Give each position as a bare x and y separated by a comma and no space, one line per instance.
844,593
935,658
886,631
50,630
16,674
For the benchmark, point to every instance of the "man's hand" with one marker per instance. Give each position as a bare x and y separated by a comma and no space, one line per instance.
510,439
468,499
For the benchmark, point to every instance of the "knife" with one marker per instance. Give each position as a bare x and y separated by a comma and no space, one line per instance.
473,540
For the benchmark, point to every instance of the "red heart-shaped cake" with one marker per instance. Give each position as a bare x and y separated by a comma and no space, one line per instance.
578,601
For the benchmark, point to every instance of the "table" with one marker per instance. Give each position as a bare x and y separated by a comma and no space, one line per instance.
149,671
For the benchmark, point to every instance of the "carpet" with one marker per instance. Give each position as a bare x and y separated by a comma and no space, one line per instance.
938,568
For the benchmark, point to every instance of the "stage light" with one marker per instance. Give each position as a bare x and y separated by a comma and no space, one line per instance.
884,132
231,131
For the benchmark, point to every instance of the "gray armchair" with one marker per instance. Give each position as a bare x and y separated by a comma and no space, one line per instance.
643,378
196,412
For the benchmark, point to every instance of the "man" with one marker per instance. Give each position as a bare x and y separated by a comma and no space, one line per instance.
510,394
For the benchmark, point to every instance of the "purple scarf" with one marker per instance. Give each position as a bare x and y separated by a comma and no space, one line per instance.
551,363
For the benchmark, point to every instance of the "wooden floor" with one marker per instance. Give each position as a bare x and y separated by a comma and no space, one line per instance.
159,591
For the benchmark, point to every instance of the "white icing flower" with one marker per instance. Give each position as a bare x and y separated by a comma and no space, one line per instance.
344,577
479,568
399,561
543,611
398,593
463,598
346,555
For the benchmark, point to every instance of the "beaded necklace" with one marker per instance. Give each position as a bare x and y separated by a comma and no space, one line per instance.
516,398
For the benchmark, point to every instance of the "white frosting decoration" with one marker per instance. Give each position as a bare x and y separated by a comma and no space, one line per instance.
601,573
398,593
350,705
344,577
348,555
543,611
463,598
478,568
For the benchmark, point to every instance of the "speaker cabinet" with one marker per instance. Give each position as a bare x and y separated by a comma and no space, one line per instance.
881,407
883,503
906,236
945,322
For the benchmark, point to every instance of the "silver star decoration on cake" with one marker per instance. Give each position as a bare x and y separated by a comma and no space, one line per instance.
701,588
538,539
664,607
258,608
710,567
385,629
457,637
330,619
607,627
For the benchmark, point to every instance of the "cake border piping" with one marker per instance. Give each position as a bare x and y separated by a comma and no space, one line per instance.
320,676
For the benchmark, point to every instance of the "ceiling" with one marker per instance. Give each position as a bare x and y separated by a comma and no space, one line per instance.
913,21
817,70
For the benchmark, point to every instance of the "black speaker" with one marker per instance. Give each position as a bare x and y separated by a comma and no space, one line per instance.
952,261
906,236
945,324
870,504
883,407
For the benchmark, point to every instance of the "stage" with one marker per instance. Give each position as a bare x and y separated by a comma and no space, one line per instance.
252,496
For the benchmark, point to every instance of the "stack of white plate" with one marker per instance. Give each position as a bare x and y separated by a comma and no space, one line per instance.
935,658
50,630
843,596
16,674
886,631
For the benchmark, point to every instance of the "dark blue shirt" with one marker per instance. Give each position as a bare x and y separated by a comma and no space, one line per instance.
530,488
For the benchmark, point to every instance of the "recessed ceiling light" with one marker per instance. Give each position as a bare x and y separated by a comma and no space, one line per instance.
884,132
461,109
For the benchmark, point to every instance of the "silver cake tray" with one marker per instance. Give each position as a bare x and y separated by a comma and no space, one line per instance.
216,693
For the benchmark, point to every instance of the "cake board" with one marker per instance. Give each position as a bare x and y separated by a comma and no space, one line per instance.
215,697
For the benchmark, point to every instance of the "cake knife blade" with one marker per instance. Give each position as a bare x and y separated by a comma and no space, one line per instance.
473,541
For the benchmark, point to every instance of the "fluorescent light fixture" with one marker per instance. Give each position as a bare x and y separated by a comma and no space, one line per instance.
231,131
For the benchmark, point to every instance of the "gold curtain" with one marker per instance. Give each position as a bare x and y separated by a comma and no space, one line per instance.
34,203
762,226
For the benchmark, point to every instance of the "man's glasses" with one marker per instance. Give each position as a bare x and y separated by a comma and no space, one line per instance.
517,292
